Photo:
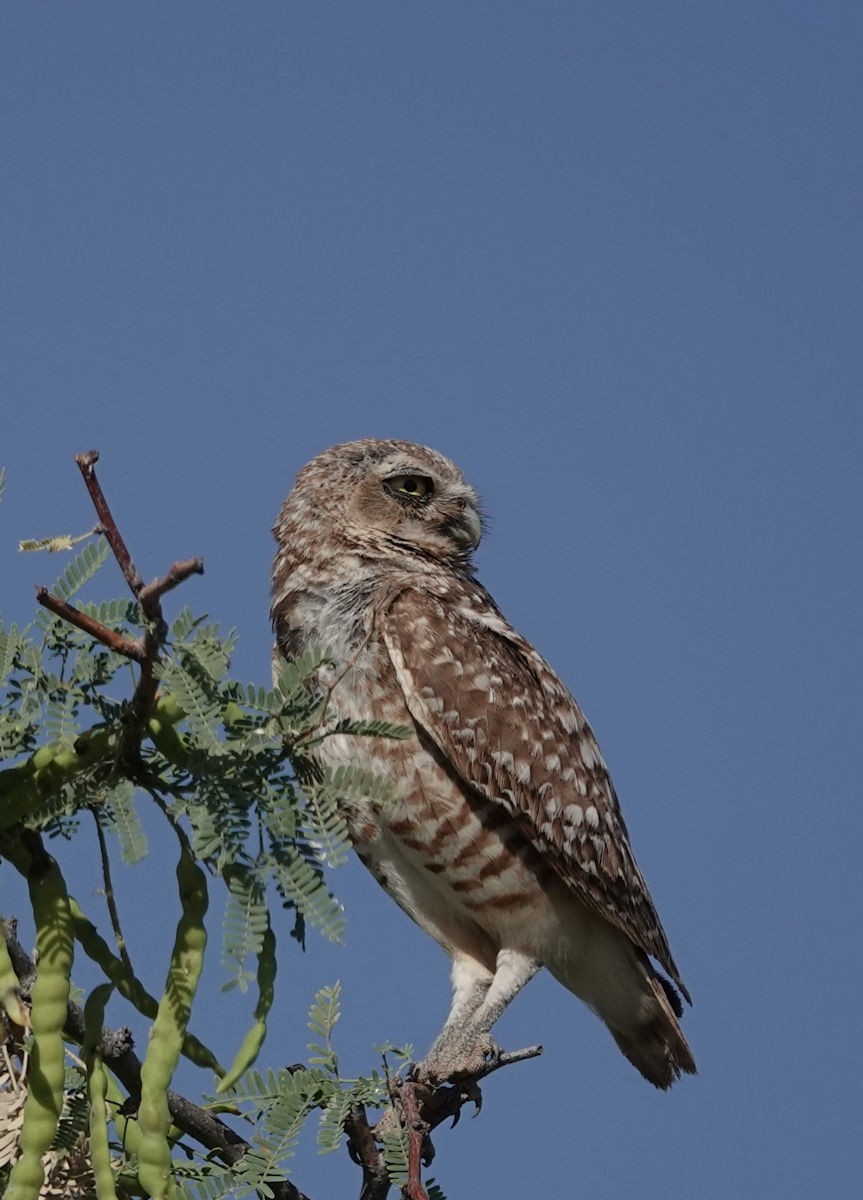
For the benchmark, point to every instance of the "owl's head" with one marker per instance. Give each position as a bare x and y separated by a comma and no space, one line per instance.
383,498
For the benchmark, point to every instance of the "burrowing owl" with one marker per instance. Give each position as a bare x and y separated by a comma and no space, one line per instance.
505,842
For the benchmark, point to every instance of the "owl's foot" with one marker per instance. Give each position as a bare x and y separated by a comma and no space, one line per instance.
458,1059
464,1064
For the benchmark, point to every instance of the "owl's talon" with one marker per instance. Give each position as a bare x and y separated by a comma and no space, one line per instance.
471,1093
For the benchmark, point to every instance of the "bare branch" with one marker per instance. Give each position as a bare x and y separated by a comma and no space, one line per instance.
364,1151
512,1056
110,897
145,651
87,462
418,1130
128,647
152,593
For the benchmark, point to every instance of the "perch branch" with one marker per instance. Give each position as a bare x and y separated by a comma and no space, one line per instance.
418,1131
150,595
424,1107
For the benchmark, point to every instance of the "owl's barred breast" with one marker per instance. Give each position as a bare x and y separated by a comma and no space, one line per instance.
452,859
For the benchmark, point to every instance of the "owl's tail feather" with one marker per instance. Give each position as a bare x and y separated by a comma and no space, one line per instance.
658,1048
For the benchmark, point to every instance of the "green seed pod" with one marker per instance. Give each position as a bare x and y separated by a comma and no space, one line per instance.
47,769
49,1004
248,1052
131,988
43,756
97,1088
9,987
168,713
168,709
169,1027
20,797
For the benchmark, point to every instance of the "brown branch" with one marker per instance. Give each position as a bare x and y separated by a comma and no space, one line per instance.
87,462
149,596
507,1058
364,1151
444,1102
418,1130
141,705
128,647
424,1106
117,1049
147,649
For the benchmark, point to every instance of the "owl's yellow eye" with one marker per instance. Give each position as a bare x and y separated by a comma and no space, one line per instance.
409,487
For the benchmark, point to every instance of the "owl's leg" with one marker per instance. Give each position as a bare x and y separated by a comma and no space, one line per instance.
513,971
465,1046
470,985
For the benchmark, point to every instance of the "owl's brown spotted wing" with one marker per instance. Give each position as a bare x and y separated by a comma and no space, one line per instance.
512,731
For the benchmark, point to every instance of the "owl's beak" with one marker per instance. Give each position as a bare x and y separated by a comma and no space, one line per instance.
466,529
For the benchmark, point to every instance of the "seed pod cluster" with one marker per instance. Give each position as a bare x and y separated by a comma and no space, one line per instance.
130,987
24,787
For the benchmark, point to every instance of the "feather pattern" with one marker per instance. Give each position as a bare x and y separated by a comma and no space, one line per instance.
504,720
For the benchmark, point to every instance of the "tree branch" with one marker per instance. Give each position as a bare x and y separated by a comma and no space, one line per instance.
144,650
364,1151
129,647
418,1131
86,463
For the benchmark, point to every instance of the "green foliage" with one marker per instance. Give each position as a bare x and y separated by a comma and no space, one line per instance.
230,767
323,1016
280,1102
395,1151
120,816
246,922
80,570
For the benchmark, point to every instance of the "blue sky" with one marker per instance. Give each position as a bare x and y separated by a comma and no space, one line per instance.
608,258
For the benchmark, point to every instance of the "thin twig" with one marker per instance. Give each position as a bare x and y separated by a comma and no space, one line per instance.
512,1056
128,647
144,650
110,898
153,592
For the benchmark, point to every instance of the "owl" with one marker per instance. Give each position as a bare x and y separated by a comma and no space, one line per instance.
503,837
